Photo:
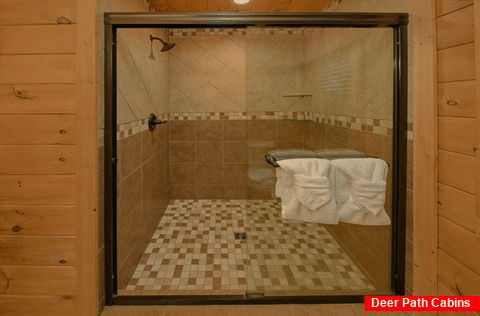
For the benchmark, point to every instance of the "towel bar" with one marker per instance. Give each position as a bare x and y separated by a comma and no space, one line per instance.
271,160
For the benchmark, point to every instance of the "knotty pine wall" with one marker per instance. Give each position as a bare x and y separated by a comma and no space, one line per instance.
47,209
458,113
47,175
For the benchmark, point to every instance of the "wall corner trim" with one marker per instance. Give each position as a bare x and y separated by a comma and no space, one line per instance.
425,227
86,125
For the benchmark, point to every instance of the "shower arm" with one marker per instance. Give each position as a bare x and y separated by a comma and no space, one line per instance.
166,45
157,38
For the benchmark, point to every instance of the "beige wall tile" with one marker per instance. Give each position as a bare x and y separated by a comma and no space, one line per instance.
234,129
182,130
209,174
151,190
289,144
259,191
183,191
208,131
235,191
292,130
351,73
207,73
356,140
129,155
261,129
235,174
129,194
209,191
183,173
374,145
209,152
274,69
142,74
149,144
235,152
182,152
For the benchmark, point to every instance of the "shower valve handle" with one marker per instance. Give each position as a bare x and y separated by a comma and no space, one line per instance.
153,121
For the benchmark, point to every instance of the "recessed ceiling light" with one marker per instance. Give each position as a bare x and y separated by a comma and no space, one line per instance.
241,1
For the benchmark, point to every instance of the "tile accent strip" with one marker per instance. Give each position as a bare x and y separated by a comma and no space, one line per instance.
190,32
375,126
268,115
131,128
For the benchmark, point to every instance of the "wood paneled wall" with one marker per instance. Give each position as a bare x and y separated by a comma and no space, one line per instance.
230,6
458,114
47,202
47,175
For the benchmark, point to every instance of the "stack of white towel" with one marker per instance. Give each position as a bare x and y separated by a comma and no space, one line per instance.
349,190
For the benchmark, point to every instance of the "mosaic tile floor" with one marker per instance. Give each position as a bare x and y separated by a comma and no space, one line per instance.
195,248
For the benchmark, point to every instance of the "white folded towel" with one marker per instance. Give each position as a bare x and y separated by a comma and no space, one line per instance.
360,190
305,187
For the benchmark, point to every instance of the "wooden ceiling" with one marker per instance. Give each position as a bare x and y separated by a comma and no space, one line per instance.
230,6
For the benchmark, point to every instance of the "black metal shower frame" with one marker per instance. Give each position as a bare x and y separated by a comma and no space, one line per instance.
114,21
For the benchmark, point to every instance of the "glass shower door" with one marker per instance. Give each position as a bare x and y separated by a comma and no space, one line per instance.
315,89
279,108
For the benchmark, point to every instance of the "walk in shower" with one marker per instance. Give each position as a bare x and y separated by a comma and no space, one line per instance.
195,103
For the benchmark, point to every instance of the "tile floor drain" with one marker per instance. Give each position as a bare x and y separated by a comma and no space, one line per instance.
240,235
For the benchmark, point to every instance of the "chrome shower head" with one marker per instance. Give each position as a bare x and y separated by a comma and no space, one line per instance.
166,46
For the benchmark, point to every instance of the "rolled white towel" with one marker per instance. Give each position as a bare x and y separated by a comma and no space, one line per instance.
305,190
369,196
360,190
313,192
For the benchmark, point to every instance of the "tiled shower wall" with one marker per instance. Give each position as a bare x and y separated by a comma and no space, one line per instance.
143,195
395,6
232,70
368,246
142,77
224,159
349,71
143,192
